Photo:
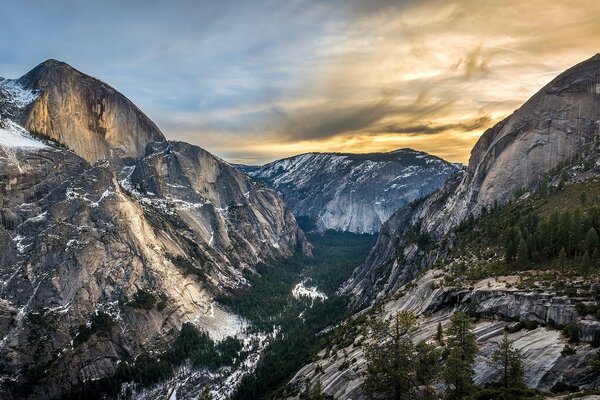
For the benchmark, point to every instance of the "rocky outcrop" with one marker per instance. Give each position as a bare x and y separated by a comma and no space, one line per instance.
558,124
79,242
341,370
353,192
85,114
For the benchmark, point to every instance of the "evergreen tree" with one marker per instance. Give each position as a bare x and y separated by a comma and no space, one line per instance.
313,392
523,253
595,257
583,198
562,259
577,230
565,231
585,263
439,336
396,368
205,395
544,239
511,243
508,360
462,350
592,240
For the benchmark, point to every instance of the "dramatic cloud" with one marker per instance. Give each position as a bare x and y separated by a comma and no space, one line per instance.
258,80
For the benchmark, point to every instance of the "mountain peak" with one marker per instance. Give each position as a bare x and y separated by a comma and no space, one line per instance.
44,72
107,125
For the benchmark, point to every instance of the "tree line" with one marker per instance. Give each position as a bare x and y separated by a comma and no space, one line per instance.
556,237
399,369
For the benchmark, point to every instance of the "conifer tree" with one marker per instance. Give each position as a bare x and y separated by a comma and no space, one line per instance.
591,240
585,263
523,253
562,259
462,349
313,392
511,243
205,395
509,361
439,336
396,368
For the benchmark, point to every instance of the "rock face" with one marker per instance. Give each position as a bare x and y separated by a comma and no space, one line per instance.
85,114
556,125
353,192
341,371
79,241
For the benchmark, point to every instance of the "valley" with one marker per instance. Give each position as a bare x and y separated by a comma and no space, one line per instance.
137,267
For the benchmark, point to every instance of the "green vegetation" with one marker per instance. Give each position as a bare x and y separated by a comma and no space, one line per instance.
205,395
268,303
549,239
190,344
396,367
399,369
143,300
314,392
462,349
509,361
101,324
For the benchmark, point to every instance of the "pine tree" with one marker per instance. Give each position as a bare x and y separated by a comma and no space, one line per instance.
585,263
523,253
462,350
509,361
511,243
313,392
205,395
565,231
592,240
439,336
562,259
577,230
396,368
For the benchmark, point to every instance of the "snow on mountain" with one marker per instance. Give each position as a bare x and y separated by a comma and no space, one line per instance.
353,192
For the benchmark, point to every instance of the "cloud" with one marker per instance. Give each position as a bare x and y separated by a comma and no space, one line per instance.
259,80
432,129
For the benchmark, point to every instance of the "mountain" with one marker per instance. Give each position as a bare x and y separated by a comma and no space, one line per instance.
557,125
111,237
513,243
85,114
353,192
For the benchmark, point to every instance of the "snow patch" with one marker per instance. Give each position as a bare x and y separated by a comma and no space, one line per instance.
13,136
19,96
300,290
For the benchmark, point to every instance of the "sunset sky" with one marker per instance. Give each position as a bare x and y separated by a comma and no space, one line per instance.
253,81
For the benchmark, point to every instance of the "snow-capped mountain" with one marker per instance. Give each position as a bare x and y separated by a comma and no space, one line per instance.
353,192
96,207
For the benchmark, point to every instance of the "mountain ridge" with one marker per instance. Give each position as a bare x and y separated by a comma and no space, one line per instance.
352,191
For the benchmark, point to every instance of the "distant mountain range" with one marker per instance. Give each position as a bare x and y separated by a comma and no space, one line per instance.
353,192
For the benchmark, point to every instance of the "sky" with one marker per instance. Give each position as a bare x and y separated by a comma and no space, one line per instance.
254,81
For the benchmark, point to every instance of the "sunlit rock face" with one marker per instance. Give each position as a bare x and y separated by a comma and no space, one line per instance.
85,114
558,124
353,192
80,238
